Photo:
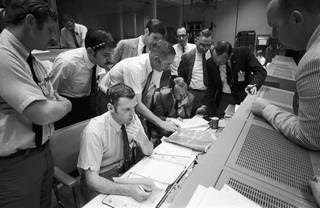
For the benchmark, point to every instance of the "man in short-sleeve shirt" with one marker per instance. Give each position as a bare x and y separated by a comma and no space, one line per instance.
102,147
28,107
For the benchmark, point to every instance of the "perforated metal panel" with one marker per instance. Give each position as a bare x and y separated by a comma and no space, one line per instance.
269,153
278,96
260,197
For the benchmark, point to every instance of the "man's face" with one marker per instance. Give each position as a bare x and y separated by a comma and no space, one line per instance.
103,56
203,44
182,36
289,32
41,37
153,38
123,112
220,60
163,63
180,93
69,25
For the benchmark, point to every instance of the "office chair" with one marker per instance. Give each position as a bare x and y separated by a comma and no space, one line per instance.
65,147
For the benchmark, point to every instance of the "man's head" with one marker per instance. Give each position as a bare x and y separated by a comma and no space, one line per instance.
221,52
68,22
161,55
99,45
33,21
180,89
204,41
182,36
153,32
122,103
293,21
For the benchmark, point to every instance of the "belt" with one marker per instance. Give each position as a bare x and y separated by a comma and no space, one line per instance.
25,152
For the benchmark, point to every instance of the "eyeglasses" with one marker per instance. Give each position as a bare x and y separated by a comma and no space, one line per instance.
206,46
182,36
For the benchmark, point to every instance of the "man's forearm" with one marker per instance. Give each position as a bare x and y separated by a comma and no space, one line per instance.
144,111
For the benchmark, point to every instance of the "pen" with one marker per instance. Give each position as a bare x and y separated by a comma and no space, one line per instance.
142,189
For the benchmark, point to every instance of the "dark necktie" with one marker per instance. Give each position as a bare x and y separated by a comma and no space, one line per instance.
229,75
183,49
94,81
37,129
204,69
146,88
144,49
75,39
126,149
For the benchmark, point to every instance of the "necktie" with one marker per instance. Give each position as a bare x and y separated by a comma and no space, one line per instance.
94,80
204,69
37,129
75,39
126,149
183,49
144,49
229,75
146,89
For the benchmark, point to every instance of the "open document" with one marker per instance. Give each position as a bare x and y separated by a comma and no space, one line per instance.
196,123
164,167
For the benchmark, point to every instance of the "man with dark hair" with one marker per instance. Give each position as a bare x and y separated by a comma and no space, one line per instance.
142,74
108,145
153,32
296,24
72,34
193,66
232,74
28,107
181,47
75,73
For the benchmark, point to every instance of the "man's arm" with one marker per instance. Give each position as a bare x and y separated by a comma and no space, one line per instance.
143,110
105,186
117,54
253,65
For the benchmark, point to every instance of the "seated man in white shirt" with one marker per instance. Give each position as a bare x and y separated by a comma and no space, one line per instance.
72,34
75,73
108,147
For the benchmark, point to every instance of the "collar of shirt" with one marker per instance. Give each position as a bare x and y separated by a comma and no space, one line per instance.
315,36
140,44
199,55
89,64
113,123
7,36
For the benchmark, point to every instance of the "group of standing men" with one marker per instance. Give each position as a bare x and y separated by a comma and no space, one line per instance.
214,75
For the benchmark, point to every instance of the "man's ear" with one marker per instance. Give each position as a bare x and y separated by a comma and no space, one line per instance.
296,17
90,51
30,20
110,107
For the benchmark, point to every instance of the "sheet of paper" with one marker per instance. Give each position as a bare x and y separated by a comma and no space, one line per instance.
197,196
195,122
166,148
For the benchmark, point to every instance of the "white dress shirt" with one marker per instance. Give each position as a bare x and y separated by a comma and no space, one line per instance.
197,74
223,76
176,61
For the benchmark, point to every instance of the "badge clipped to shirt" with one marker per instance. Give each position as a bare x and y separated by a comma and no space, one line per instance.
241,76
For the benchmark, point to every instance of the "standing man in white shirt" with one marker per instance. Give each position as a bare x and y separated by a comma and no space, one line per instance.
126,48
72,34
193,66
142,73
181,47
28,107
75,73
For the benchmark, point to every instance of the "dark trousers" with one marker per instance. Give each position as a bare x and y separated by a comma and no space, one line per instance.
225,100
81,110
26,179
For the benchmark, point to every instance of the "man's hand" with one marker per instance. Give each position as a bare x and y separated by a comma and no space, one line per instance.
201,110
140,192
258,106
251,89
314,184
169,126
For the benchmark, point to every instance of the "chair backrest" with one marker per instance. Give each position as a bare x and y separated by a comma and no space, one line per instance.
65,146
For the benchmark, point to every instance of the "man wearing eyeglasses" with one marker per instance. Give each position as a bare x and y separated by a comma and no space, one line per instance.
193,66
76,72
181,47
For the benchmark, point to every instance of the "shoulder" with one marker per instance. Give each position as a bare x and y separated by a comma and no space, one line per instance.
95,128
241,51
128,42
80,26
189,54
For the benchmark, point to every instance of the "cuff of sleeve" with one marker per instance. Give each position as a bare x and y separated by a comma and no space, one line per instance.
269,111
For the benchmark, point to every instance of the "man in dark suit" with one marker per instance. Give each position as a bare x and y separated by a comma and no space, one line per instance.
193,66
126,48
175,102
232,74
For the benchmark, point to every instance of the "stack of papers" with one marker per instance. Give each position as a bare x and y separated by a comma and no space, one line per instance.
195,123
227,197
164,167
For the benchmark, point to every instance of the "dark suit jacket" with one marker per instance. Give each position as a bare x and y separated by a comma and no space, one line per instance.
163,104
186,65
241,60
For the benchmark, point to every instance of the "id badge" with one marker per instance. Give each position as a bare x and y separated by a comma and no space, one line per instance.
241,76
